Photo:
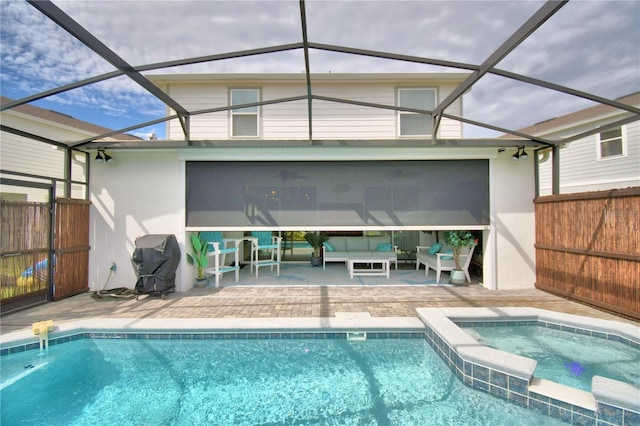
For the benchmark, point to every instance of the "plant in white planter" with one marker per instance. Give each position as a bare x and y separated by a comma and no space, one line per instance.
458,240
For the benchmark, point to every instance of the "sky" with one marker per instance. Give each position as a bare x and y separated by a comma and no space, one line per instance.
593,46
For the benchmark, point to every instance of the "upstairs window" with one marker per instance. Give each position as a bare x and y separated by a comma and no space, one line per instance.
244,121
411,123
611,144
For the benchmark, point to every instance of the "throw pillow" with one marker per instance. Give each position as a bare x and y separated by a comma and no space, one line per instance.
328,246
435,248
447,252
385,247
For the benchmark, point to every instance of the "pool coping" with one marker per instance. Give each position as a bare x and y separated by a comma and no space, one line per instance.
511,376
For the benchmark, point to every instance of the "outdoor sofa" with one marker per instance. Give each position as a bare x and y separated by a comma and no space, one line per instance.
340,249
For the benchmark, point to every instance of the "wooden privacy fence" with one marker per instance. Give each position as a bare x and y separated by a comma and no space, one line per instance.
588,248
71,248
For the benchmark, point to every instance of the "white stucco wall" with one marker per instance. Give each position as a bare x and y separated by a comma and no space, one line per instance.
513,222
143,193
138,193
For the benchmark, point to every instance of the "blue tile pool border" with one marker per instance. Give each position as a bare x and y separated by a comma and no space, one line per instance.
217,335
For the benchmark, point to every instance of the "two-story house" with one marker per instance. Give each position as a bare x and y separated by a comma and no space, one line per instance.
250,158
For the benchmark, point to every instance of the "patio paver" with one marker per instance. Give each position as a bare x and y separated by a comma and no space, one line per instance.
292,302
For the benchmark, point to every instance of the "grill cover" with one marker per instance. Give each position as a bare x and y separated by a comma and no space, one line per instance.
155,260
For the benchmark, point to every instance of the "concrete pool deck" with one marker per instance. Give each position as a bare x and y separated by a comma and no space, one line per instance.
270,301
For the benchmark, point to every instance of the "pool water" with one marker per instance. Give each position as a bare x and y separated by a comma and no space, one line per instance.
245,382
564,357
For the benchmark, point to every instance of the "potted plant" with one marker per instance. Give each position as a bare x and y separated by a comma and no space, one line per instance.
315,240
199,256
457,240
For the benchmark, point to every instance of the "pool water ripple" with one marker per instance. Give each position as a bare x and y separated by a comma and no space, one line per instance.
248,382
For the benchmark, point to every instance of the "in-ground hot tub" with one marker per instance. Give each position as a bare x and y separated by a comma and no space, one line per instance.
512,376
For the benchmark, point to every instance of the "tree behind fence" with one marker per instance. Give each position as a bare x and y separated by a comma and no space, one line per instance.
588,248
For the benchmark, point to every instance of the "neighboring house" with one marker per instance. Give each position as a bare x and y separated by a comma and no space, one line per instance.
607,160
23,155
365,169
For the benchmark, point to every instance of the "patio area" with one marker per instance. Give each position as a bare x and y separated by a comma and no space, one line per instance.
312,293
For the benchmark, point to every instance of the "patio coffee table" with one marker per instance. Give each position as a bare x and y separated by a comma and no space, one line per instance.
370,269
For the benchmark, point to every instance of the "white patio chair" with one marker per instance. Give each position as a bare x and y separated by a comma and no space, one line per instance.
439,261
217,255
265,241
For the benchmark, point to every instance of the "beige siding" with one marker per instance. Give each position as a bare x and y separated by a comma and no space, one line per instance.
286,120
24,155
289,120
336,121
18,154
450,129
196,97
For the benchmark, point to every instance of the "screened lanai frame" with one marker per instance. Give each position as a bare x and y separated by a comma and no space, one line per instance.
478,72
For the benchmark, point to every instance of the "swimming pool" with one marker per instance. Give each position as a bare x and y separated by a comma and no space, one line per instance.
392,378
490,378
568,358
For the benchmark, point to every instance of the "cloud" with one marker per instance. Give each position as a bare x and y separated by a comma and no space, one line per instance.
582,45
156,31
40,52
587,45
465,31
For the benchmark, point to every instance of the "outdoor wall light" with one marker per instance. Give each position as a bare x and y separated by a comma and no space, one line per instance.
520,155
102,156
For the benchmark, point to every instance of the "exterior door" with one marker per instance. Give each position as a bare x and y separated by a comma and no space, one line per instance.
71,243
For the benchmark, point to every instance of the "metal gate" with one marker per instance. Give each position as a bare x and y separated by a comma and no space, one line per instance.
27,261
24,254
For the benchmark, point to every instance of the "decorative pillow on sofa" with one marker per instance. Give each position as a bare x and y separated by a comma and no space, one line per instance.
374,242
328,246
385,247
450,251
435,248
